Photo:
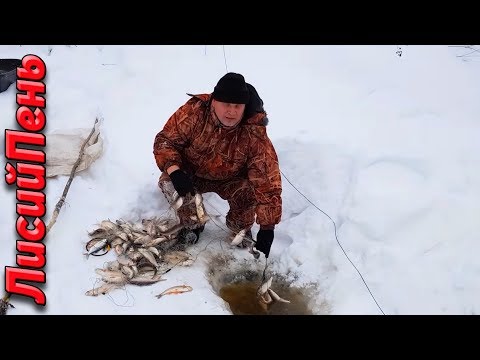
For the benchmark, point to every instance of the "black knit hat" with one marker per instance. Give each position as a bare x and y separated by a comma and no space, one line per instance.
231,88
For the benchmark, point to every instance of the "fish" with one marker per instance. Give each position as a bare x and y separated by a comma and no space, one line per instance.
265,301
135,255
128,271
173,230
178,257
239,237
125,260
154,250
97,247
104,289
112,277
267,297
150,229
276,297
113,265
202,217
263,289
146,279
156,241
149,256
98,232
143,239
177,202
118,249
179,289
108,225
117,241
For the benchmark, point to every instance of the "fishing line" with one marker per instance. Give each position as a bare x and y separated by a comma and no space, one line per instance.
334,225
341,247
265,270
111,299
128,295
225,58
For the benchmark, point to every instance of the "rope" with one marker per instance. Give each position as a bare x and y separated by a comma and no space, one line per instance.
225,58
336,237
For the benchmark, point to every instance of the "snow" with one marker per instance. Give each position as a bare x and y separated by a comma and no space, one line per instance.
385,145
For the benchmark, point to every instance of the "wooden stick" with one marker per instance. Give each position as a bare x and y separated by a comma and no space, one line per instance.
69,182
4,301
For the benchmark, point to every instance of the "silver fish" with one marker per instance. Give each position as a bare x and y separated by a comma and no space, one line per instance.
266,296
125,260
97,247
112,277
173,230
154,250
143,239
149,256
177,202
118,249
150,229
116,241
178,257
175,290
202,217
145,279
123,236
135,256
113,265
105,288
98,233
263,289
156,241
276,297
239,237
108,225
128,271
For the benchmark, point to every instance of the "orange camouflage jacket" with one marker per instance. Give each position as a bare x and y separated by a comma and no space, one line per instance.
194,139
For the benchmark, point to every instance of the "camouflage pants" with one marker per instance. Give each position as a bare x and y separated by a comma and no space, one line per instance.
237,191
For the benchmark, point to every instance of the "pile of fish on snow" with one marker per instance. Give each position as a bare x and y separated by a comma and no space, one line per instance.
144,252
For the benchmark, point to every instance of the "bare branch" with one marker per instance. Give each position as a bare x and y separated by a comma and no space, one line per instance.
69,182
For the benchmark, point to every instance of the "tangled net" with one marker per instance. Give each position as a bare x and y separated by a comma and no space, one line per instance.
145,252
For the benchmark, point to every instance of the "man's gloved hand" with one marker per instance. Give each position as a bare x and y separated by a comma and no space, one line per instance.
182,183
264,241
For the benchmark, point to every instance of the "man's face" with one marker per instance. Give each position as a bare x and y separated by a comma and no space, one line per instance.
228,114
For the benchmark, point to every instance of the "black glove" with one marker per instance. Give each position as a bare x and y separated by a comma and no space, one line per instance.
182,183
264,241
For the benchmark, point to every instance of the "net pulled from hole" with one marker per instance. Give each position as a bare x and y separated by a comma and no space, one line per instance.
144,252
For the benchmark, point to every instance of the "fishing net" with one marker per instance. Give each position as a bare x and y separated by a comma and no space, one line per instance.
63,147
